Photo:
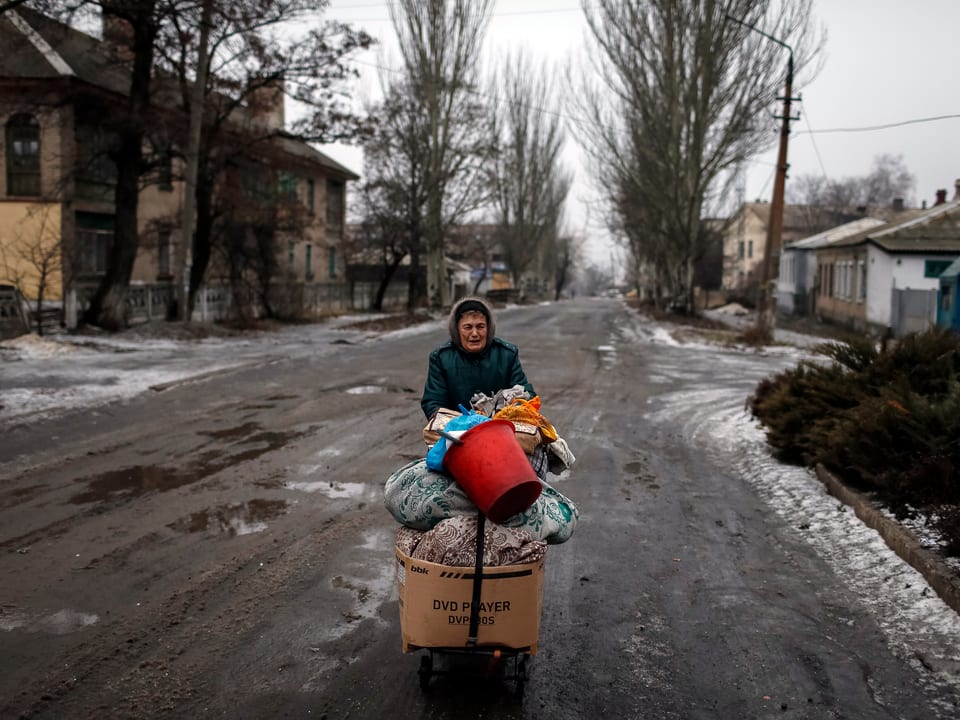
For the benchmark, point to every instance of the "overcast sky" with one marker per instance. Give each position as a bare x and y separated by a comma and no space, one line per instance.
885,62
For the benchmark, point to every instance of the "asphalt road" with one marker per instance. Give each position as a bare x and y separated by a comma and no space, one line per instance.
218,548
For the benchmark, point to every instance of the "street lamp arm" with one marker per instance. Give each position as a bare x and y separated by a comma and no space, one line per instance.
771,38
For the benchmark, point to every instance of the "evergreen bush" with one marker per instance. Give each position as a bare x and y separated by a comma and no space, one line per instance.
885,419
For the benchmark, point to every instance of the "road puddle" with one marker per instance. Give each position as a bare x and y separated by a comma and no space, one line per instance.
137,480
233,520
331,488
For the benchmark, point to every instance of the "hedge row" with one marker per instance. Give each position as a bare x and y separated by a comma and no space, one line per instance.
886,419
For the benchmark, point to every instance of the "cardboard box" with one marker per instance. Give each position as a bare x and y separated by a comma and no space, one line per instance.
435,605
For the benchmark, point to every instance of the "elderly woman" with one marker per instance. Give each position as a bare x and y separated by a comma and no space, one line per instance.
472,361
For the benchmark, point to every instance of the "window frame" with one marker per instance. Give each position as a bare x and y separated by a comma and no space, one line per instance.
24,171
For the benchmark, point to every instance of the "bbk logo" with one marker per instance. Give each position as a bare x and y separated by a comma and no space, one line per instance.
421,570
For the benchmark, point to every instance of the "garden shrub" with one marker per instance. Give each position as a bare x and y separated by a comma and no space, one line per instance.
886,420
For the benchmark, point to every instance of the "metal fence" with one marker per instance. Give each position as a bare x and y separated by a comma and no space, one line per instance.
912,311
217,303
13,319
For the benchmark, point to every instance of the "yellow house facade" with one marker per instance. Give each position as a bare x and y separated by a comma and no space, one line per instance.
57,181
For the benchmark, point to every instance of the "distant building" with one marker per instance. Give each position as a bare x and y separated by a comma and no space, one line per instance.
887,278
796,281
57,86
745,238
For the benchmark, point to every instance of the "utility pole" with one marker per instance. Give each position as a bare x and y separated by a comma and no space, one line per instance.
770,269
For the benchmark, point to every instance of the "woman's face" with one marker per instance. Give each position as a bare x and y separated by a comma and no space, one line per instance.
473,331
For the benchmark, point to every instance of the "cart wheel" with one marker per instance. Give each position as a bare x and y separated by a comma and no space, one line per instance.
521,678
425,671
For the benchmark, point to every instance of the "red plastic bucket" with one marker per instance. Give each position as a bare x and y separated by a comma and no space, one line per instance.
493,470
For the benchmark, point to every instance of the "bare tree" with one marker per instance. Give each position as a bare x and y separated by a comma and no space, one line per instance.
393,197
674,104
530,184
108,305
567,255
888,180
228,86
439,44
34,257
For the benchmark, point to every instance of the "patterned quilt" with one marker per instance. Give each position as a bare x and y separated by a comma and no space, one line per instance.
419,498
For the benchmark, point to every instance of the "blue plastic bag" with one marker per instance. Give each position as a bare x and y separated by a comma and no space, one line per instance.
456,427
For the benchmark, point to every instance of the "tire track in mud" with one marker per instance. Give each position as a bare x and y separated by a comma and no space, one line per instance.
136,669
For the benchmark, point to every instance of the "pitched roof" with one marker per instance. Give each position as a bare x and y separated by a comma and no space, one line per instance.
38,47
936,229
841,232
300,149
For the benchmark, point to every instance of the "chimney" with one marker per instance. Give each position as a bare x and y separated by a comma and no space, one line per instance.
117,35
898,204
956,189
265,104
941,197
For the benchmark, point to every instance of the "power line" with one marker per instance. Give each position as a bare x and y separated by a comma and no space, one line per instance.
551,11
816,150
869,128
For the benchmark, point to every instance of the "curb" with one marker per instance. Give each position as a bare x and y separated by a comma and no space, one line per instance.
944,580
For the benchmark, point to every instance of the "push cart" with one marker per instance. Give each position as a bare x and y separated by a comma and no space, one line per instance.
486,616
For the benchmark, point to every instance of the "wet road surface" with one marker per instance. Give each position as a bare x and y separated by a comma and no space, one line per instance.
219,548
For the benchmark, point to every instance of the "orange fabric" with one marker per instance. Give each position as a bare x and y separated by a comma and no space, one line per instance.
528,411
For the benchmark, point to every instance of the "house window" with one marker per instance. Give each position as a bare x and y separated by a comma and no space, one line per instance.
163,254
311,202
93,246
935,268
286,186
23,155
750,249
165,170
740,250
335,198
96,173
332,262
94,238
291,258
861,281
308,260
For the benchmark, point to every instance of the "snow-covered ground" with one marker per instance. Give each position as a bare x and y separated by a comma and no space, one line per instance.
44,376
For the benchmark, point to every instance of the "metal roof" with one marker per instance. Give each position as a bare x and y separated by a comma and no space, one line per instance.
932,230
841,232
936,230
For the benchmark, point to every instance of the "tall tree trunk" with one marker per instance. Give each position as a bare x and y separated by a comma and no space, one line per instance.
185,287
108,309
203,234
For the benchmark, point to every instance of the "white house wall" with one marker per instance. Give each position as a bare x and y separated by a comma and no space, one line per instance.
879,284
888,273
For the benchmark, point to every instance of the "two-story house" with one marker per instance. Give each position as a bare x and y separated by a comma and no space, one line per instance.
57,88
745,238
